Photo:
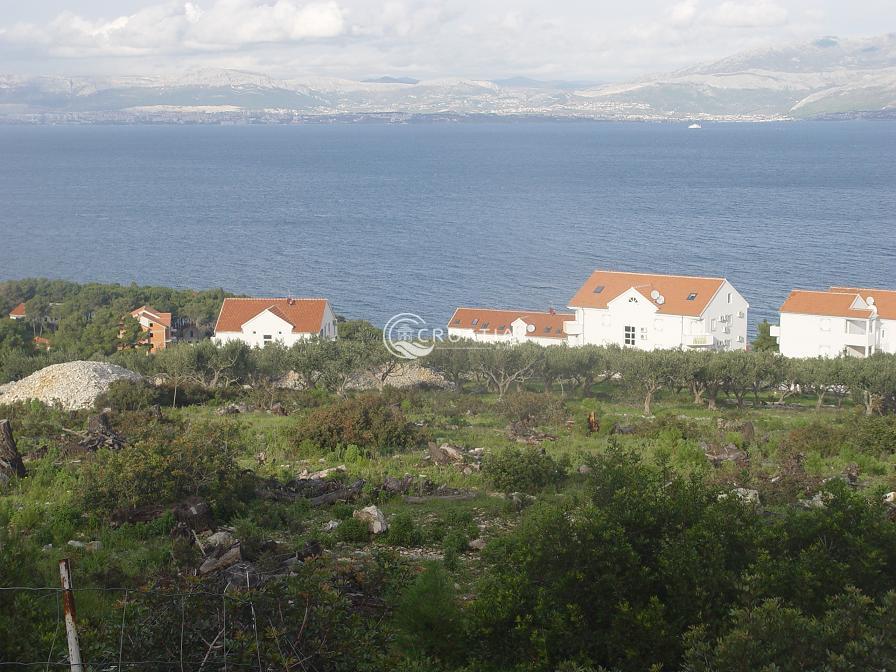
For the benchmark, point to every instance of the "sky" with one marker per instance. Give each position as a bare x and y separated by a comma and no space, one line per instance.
577,40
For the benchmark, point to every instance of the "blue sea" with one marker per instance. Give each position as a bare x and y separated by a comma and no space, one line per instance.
422,218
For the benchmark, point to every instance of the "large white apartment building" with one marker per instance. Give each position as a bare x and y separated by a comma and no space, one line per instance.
651,311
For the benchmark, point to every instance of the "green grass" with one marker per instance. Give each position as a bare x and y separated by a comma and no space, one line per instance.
43,508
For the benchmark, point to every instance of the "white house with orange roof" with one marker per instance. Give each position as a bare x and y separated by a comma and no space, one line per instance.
850,321
488,325
261,321
651,311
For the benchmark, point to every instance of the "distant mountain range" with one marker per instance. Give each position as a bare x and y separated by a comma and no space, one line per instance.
828,77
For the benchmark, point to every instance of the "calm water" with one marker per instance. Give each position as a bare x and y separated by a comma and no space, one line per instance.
383,219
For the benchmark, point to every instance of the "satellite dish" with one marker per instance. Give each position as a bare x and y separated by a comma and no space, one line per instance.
870,300
530,328
655,294
661,300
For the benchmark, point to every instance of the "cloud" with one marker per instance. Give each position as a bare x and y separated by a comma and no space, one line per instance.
759,14
174,27
683,13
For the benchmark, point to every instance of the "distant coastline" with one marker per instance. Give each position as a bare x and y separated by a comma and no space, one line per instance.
267,118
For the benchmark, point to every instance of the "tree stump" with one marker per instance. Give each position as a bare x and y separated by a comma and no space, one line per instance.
10,461
593,423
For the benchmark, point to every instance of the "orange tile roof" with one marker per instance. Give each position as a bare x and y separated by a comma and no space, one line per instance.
884,299
152,313
495,321
833,304
18,311
305,315
675,289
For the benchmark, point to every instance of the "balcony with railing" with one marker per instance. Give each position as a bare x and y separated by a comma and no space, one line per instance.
699,340
858,334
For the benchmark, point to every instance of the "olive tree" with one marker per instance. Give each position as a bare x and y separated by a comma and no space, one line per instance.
503,365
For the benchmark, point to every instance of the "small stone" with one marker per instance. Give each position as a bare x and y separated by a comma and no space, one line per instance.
94,546
220,539
584,469
331,525
476,544
229,557
48,547
746,495
76,544
376,521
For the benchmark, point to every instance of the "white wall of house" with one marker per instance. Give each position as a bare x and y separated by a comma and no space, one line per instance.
329,328
725,319
825,336
634,320
887,336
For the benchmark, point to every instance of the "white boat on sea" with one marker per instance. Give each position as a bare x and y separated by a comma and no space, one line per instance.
695,126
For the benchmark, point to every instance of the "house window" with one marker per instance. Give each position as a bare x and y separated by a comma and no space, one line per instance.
547,330
475,321
502,327
599,289
484,325
692,296
457,321
629,335
268,338
712,324
729,297
632,299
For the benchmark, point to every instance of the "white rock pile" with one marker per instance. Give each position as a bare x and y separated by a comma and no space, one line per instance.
73,385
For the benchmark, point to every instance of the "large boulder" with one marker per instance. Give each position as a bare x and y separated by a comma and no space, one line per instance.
73,385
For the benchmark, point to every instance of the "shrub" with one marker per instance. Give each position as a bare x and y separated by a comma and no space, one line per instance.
353,531
367,421
403,531
341,511
128,395
526,470
874,434
824,438
454,543
531,409
429,617
177,461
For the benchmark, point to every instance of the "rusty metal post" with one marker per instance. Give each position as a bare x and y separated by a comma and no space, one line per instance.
71,627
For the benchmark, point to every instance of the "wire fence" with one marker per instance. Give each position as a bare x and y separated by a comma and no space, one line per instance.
166,629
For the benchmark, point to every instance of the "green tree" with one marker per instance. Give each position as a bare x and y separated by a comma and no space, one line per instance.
764,341
178,364
503,365
648,372
451,360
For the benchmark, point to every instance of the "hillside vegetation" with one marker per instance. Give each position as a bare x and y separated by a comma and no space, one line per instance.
551,510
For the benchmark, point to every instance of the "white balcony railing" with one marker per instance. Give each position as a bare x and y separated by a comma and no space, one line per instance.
699,340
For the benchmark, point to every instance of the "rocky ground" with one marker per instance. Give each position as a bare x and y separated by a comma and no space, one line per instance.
73,385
